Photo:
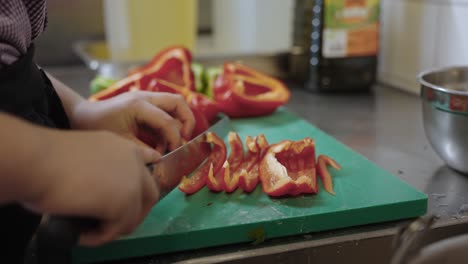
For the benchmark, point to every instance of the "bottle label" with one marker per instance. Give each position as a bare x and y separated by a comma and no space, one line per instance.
351,28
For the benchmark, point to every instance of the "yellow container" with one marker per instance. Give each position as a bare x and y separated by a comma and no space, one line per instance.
138,29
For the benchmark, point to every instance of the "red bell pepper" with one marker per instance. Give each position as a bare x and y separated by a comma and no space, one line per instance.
288,168
243,92
159,85
150,138
205,105
214,162
173,65
248,177
201,124
249,174
204,109
135,82
322,171
215,181
262,145
127,84
235,159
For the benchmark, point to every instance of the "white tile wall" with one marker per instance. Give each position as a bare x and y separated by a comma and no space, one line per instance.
420,34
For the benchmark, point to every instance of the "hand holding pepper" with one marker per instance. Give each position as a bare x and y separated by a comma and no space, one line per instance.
135,114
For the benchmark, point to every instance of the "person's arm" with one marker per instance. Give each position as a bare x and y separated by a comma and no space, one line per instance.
49,170
70,99
23,146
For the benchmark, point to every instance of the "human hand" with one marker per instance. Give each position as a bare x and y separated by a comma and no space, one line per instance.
164,116
97,175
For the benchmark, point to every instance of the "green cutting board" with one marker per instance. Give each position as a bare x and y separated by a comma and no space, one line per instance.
365,194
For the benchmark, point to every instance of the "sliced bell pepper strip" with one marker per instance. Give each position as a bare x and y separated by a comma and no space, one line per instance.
215,160
322,162
248,175
231,182
254,172
288,168
263,145
235,159
215,181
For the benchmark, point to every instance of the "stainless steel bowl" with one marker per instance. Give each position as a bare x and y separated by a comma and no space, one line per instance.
444,94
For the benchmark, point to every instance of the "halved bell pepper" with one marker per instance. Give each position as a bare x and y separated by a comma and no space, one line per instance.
159,85
288,168
173,65
205,105
244,92
214,162
127,84
322,171
235,159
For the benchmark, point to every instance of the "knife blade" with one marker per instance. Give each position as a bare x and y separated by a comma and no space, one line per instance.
57,235
168,172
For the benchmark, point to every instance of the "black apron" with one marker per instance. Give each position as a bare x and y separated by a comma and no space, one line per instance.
26,92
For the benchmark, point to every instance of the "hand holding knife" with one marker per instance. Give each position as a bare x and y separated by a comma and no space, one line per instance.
57,235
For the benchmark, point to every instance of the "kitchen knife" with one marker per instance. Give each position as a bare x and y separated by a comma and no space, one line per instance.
57,235
173,166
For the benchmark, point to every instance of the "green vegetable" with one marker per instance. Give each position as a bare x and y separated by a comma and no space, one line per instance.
200,84
100,83
210,77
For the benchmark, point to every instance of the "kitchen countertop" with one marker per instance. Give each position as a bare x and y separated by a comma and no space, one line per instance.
384,125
